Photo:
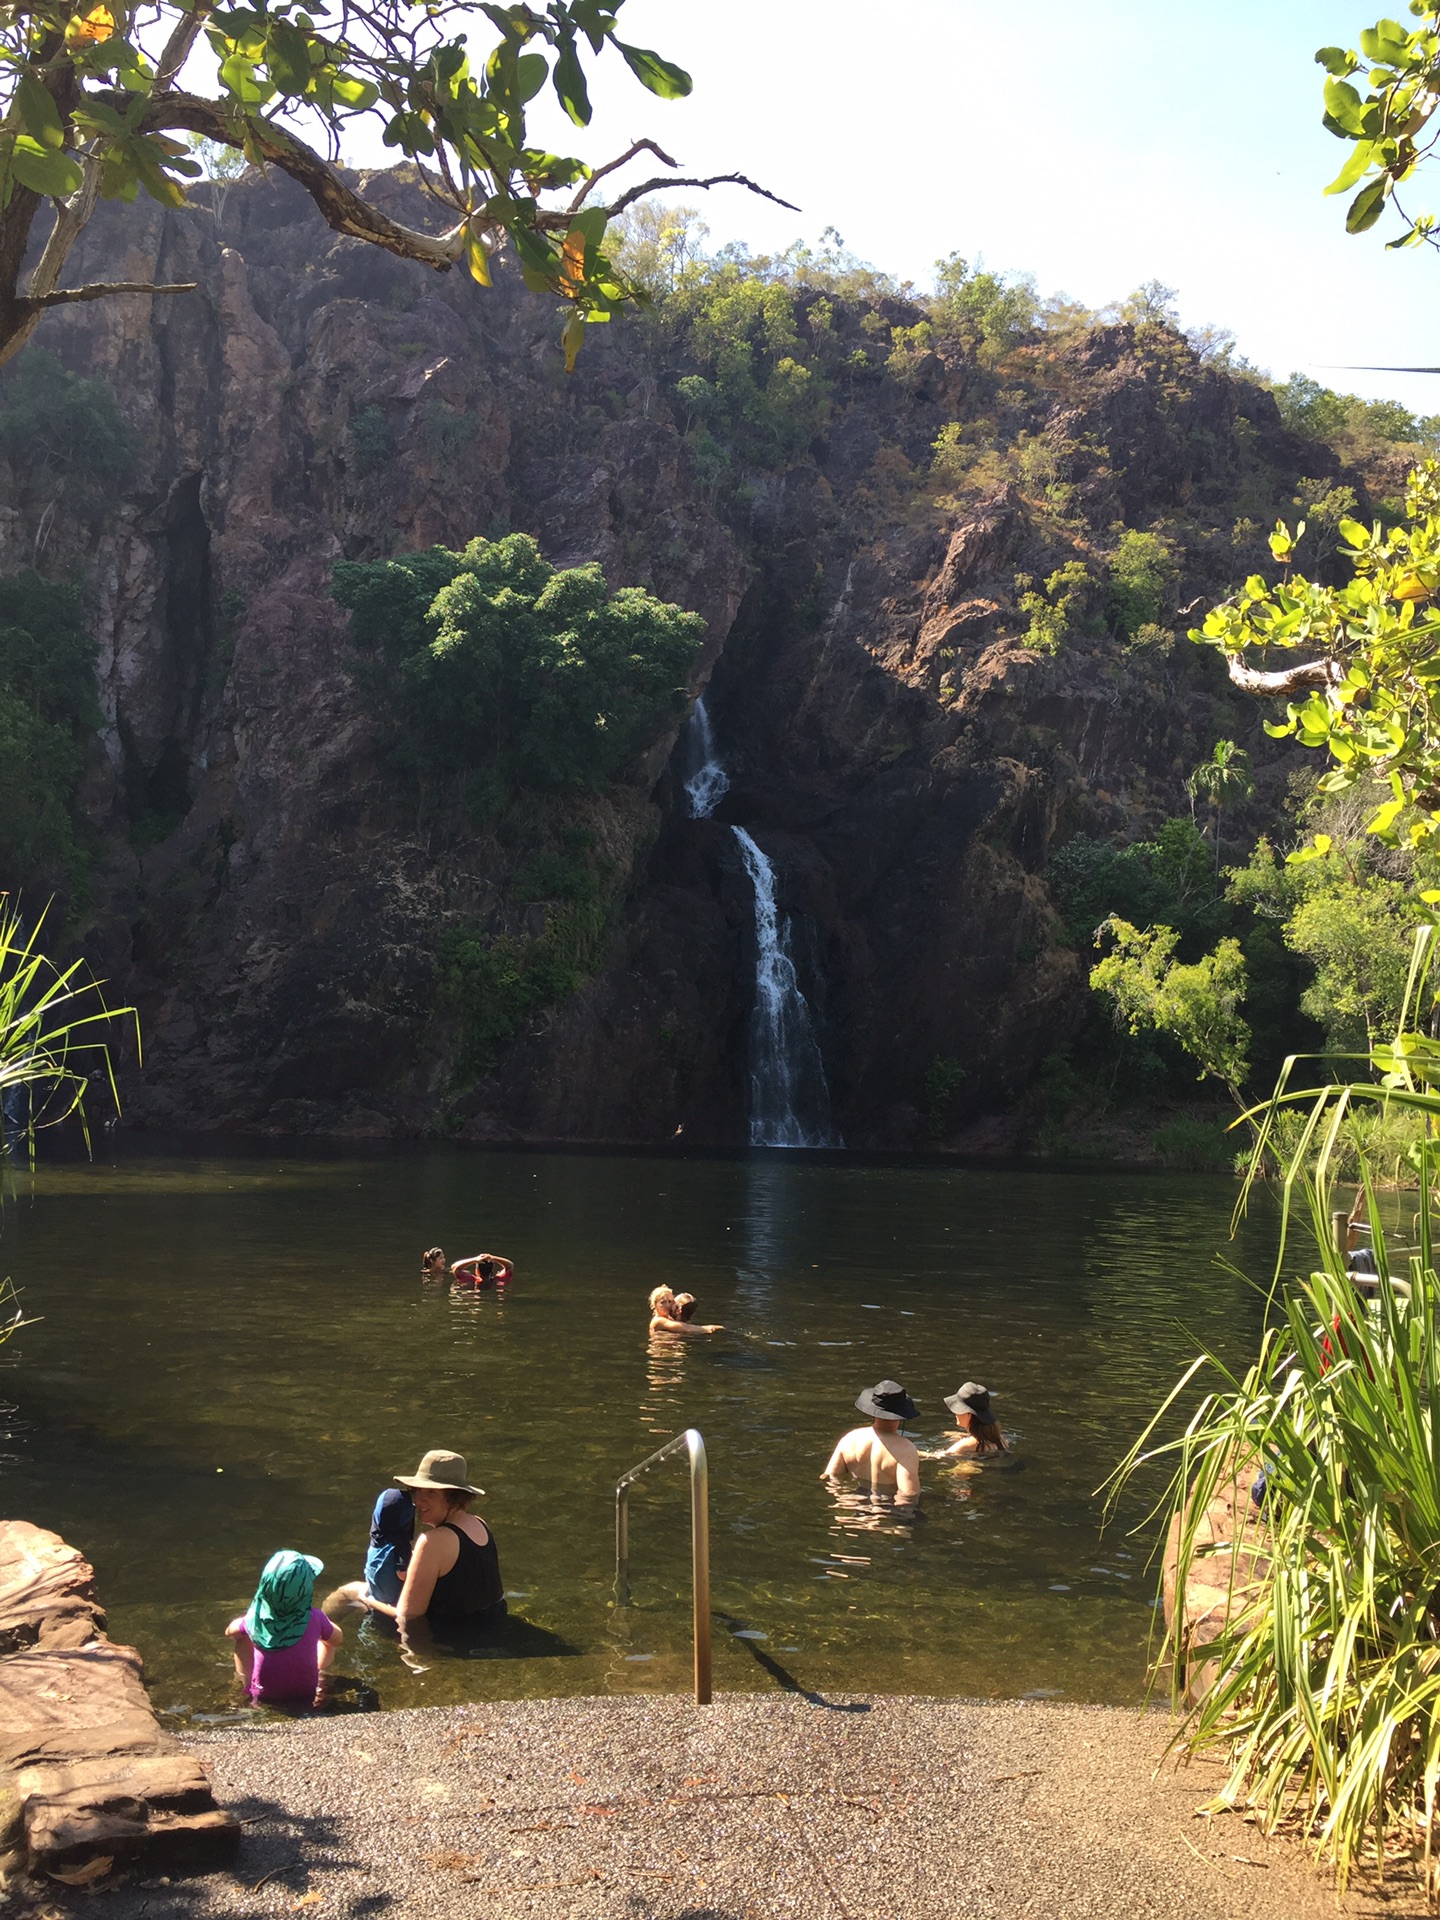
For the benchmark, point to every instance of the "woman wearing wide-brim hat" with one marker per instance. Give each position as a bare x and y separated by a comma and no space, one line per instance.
454,1574
980,1435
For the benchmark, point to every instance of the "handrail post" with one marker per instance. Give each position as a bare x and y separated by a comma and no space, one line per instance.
622,1544
700,1561
694,1445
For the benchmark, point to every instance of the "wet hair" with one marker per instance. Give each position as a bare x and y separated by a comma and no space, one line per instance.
988,1433
492,1266
431,1255
684,1306
661,1298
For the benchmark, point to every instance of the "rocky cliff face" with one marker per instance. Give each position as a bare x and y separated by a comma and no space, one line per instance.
268,897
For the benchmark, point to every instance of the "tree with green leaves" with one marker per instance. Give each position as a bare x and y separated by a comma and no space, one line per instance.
1366,690
1391,126
1224,777
1198,1006
99,101
496,669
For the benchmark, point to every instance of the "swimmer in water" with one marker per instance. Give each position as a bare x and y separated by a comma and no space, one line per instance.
432,1263
671,1313
980,1435
484,1270
879,1456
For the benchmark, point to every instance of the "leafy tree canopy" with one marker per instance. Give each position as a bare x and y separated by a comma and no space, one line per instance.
1324,414
1389,124
512,673
1198,1005
1371,683
97,104
1355,924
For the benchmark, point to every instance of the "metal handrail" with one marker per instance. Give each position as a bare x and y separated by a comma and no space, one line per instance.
694,1445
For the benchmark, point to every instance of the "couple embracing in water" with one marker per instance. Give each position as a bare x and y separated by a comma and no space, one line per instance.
881,1455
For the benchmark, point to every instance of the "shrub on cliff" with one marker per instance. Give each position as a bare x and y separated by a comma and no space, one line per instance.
494,667
48,711
59,430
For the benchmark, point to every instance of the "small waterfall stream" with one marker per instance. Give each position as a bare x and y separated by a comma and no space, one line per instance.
707,783
789,1095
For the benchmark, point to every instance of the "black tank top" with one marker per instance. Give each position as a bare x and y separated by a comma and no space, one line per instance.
473,1587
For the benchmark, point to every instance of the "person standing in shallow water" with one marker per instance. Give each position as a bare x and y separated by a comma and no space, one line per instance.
879,1456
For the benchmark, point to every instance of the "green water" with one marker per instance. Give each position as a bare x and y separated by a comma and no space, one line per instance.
237,1351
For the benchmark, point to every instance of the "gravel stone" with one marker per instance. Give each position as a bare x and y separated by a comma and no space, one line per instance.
763,1807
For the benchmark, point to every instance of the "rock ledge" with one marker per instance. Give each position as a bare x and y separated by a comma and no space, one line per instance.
89,1780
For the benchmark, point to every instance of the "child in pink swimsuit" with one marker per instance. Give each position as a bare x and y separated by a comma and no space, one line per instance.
284,1643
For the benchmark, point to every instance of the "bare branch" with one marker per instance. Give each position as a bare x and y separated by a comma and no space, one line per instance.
1313,673
102,290
632,194
640,146
178,46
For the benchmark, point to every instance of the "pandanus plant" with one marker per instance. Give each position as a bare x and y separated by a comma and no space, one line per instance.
54,1025
1323,1686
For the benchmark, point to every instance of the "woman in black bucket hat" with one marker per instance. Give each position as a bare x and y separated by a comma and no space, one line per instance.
974,1413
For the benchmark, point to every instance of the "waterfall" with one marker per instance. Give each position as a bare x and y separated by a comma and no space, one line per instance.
789,1097
708,783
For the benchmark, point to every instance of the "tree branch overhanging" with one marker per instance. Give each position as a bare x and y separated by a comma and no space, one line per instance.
1305,678
102,290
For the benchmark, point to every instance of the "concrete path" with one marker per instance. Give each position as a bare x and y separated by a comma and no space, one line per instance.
769,1807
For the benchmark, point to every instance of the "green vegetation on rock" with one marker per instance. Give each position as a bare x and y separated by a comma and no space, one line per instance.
48,715
492,669
526,691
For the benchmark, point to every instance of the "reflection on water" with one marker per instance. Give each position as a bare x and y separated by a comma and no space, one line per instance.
237,1351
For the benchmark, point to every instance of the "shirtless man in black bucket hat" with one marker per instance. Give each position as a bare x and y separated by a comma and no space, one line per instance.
879,1455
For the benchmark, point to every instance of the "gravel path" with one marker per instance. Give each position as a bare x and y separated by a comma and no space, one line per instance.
769,1807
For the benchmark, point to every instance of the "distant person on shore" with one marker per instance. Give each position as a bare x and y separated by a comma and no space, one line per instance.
284,1643
671,1313
879,1456
453,1579
432,1263
484,1270
980,1435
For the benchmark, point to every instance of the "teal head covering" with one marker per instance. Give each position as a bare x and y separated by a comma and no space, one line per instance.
280,1611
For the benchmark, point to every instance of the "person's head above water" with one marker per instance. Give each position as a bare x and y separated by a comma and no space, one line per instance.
280,1611
971,1402
974,1413
684,1306
887,1401
433,1260
393,1522
439,1484
662,1301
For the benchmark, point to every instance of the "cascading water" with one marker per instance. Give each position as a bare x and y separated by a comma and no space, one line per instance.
708,783
789,1097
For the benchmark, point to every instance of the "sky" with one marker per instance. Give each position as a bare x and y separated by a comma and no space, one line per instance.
1095,145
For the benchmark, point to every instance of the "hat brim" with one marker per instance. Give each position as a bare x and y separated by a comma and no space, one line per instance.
870,1407
434,1486
958,1405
